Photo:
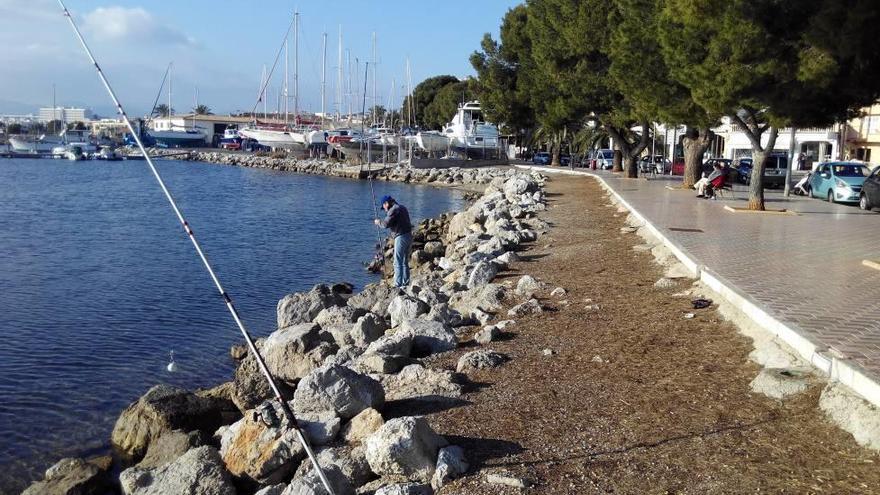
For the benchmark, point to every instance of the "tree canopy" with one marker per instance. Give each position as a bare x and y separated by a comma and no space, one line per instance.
423,95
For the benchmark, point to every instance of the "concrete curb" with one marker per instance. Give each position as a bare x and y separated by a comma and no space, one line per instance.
819,356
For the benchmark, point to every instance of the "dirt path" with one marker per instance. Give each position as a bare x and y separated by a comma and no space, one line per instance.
636,399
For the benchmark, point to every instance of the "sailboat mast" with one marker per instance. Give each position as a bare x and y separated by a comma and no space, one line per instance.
295,66
170,79
350,96
323,76
285,92
264,96
375,97
339,80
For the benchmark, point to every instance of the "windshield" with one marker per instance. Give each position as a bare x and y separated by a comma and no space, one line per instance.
850,170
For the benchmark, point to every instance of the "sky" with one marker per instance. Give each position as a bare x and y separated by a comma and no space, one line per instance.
218,49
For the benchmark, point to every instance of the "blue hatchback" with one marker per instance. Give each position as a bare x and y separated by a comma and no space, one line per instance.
838,181
541,158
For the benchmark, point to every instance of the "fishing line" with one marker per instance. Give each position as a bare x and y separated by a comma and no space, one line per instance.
380,253
285,407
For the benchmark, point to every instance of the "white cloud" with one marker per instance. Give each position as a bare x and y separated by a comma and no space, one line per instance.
131,24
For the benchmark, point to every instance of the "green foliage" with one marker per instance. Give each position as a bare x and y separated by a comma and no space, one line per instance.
202,110
14,128
441,110
423,94
505,74
162,110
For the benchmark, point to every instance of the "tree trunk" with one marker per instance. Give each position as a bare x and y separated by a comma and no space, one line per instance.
756,182
616,165
554,153
631,167
695,143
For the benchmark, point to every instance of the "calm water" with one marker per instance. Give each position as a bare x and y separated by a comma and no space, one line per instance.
98,283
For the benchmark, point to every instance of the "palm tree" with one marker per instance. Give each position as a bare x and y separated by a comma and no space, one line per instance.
162,110
202,110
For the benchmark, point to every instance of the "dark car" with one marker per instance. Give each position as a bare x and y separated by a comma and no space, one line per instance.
870,197
774,170
565,160
541,158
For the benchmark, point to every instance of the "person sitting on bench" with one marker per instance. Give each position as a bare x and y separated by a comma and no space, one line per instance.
714,185
701,184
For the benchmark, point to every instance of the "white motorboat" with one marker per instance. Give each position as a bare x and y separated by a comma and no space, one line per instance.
470,135
35,144
176,136
432,141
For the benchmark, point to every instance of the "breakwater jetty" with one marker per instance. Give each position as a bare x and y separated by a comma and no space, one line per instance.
343,358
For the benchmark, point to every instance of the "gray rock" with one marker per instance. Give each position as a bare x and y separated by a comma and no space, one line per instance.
272,490
404,308
665,283
292,352
780,383
380,363
507,258
162,409
320,428
507,480
250,387
339,389
852,413
404,447
198,472
405,489
428,337
171,445
375,298
480,359
530,307
335,315
395,344
487,298
558,292
527,286
483,273
303,307
451,464
487,334
73,476
367,329
345,467
418,382
434,248
460,225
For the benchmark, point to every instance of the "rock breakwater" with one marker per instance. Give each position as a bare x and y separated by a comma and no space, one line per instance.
342,357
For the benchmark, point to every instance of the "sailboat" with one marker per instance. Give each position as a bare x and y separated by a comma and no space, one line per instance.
166,132
301,135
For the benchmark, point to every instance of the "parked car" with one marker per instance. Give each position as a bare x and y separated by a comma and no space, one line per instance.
870,197
774,170
658,162
565,160
839,182
541,158
604,159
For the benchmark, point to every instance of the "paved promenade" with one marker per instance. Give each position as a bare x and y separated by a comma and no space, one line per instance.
804,270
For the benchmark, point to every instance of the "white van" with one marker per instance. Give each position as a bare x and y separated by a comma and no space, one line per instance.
604,159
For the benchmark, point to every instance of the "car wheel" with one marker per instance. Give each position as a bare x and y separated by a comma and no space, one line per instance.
830,194
863,202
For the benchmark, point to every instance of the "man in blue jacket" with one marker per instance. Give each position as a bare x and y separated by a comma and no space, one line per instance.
397,221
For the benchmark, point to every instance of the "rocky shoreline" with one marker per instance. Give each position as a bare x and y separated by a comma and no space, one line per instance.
345,360
453,176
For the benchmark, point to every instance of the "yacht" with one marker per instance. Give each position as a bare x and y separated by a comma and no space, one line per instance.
432,141
43,144
172,134
469,135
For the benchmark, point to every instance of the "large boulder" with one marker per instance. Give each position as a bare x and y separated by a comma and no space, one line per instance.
367,329
374,298
404,308
404,447
460,224
418,382
451,464
469,303
480,359
527,286
335,315
292,352
198,472
303,307
74,476
362,426
162,409
345,467
171,445
250,387
482,273
395,344
339,389
428,336
261,447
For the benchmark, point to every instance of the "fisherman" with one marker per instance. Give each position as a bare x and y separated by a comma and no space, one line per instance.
397,221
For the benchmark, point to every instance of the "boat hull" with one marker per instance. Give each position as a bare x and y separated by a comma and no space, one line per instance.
32,146
178,138
432,142
275,139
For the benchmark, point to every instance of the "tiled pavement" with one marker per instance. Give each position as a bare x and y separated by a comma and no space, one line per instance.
805,271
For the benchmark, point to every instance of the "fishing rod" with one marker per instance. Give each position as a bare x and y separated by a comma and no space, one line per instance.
285,407
380,254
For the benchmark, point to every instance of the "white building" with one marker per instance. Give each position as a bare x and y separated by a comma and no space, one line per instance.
65,114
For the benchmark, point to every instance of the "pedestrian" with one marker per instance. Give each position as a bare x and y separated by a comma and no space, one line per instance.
802,162
703,183
397,221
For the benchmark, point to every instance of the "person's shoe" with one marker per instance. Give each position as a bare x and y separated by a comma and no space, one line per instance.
700,196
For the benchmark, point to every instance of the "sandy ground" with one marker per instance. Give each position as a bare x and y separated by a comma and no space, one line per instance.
636,398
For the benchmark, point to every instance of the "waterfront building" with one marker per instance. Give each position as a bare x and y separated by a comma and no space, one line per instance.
862,135
64,114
